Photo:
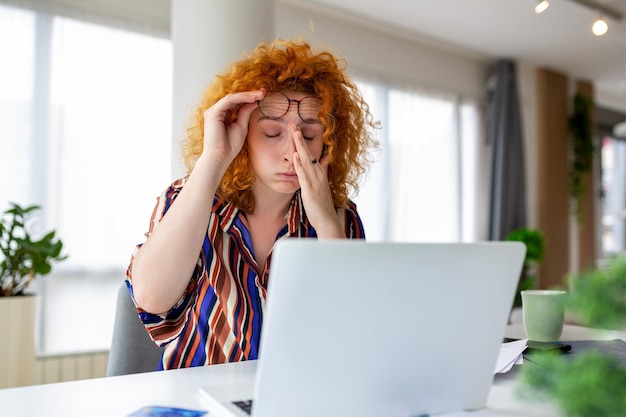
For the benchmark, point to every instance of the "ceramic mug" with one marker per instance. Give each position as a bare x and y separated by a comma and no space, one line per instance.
544,312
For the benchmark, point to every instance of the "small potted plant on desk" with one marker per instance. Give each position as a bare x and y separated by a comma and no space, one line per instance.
535,242
587,382
22,258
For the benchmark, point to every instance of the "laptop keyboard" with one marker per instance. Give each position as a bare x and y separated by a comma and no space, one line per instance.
246,406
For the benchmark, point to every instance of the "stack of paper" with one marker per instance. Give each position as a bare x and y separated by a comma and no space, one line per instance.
510,354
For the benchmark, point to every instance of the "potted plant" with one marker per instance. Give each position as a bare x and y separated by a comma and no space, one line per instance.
591,383
535,242
22,258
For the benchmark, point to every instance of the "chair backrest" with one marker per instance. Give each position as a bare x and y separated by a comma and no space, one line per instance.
132,350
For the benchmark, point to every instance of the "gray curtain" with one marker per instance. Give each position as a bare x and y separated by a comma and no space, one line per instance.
507,199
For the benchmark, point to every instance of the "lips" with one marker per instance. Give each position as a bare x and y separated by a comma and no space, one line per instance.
288,175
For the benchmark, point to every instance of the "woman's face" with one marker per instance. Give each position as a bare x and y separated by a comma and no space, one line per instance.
271,143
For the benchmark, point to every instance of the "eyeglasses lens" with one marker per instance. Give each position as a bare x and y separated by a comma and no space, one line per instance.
275,105
309,109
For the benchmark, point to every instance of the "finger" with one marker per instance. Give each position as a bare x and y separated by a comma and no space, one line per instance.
231,104
245,111
301,148
303,173
308,173
324,158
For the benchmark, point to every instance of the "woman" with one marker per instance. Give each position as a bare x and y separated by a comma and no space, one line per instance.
278,141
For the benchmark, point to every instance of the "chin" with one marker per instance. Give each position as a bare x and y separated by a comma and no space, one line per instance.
287,188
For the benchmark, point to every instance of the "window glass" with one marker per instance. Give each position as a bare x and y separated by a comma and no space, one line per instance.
109,139
474,174
422,142
16,80
613,228
372,199
423,185
86,132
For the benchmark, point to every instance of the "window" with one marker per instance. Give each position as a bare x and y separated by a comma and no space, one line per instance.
16,96
613,154
86,131
424,185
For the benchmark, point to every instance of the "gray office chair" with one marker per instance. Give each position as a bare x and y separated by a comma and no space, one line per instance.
132,350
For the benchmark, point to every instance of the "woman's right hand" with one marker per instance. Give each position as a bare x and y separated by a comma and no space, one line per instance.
223,138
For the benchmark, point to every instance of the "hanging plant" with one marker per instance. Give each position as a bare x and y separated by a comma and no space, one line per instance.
582,149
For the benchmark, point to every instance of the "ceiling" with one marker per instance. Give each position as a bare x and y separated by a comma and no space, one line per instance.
559,39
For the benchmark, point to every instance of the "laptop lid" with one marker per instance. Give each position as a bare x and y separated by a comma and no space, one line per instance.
383,329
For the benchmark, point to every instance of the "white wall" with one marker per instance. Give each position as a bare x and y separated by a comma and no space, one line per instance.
382,53
200,50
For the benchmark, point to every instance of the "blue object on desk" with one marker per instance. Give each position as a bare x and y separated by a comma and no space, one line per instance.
158,411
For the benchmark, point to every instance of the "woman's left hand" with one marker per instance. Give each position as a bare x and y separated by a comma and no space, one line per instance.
315,189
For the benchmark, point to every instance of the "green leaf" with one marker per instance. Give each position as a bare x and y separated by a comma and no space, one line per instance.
21,254
598,296
590,384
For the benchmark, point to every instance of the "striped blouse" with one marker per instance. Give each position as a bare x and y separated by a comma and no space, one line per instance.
219,317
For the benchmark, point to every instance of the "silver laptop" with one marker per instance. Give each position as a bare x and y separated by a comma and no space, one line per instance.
353,328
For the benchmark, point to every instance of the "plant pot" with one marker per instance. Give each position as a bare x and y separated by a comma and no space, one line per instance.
18,327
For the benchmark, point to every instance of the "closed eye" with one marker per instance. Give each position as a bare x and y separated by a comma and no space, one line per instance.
310,132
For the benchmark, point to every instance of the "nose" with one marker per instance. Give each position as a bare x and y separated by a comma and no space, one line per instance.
289,145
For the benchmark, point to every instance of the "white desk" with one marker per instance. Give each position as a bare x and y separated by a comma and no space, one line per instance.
119,396
571,332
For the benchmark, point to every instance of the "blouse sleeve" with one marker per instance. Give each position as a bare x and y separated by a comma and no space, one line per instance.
165,327
351,220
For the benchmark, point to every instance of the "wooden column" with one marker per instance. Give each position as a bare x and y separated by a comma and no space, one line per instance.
586,230
553,167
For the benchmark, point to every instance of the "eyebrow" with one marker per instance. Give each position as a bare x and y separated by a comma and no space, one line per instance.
282,120
264,117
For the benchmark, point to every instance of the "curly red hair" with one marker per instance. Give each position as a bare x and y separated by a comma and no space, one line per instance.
293,66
